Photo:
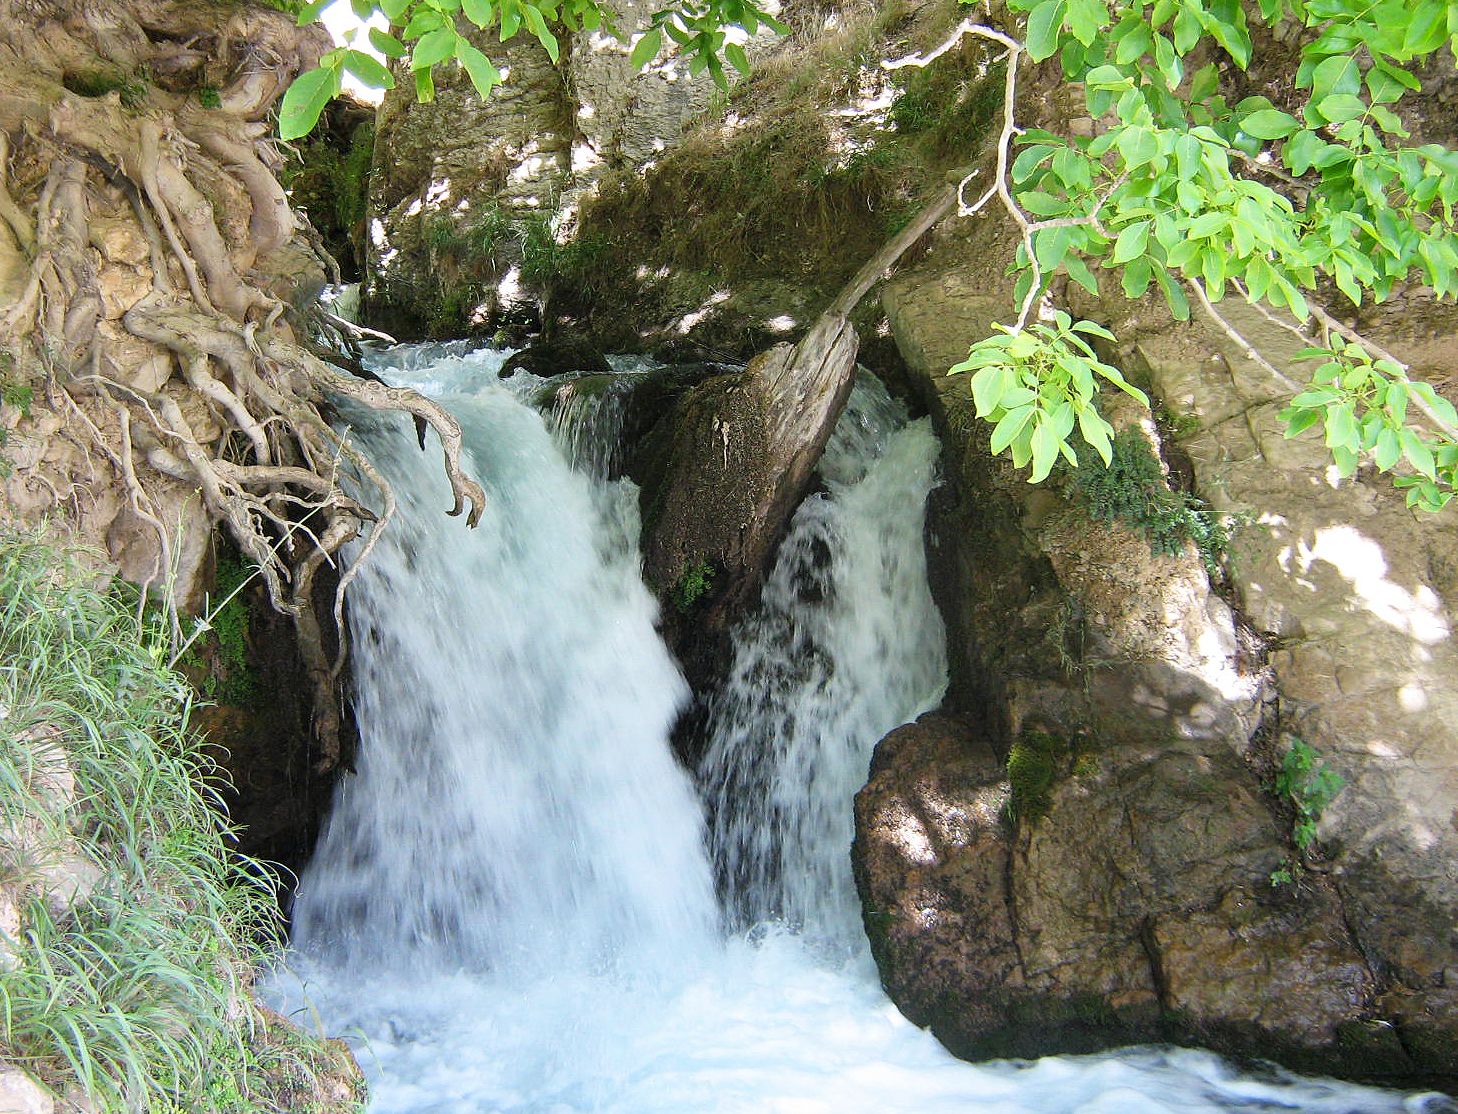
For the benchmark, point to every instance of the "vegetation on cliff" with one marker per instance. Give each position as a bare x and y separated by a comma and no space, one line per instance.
130,930
156,299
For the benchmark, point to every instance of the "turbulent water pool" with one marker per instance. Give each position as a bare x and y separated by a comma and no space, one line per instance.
514,904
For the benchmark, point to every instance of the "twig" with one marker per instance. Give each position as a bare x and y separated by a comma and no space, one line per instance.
1251,352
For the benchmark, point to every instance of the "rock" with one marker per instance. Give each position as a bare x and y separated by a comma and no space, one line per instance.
20,1094
549,358
1357,592
1160,834
1136,909
720,474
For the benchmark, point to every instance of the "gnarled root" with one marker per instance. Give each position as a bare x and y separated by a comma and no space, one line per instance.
151,243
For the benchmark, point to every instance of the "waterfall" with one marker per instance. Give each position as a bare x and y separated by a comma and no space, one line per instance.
512,907
514,804
845,646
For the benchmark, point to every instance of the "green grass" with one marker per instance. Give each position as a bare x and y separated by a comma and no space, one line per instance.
139,992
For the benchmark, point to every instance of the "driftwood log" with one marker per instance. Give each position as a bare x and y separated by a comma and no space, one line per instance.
725,468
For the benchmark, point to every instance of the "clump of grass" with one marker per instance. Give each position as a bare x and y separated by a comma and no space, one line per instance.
1132,489
138,992
696,582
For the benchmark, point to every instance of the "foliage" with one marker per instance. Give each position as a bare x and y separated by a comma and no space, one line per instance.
1182,190
696,582
1036,384
138,992
1131,488
1310,785
697,27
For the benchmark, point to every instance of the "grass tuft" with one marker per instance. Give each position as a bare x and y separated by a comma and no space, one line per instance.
138,993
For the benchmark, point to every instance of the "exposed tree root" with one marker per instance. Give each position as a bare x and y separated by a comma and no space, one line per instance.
154,255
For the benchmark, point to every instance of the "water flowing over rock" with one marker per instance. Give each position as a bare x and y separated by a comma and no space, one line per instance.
512,904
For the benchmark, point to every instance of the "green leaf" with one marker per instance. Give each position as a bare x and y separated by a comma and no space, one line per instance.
1093,328
737,58
1340,107
362,9
1044,23
1418,454
988,387
1168,62
310,12
647,49
305,100
1204,84
422,20
1136,278
424,86
386,43
1132,241
1301,152
483,74
368,69
1174,294
1339,74
538,27
1341,427
434,47
480,12
1009,426
1269,123
1086,18
1095,432
1388,449
1045,451
1078,271
510,20
394,9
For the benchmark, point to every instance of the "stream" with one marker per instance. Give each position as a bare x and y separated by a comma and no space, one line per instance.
522,902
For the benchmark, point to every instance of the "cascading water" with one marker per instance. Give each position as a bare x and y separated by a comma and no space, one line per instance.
846,645
512,906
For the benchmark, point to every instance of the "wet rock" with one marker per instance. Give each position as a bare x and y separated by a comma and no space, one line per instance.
1160,834
557,357
1135,910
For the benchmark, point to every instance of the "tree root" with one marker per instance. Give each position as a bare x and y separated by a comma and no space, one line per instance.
238,414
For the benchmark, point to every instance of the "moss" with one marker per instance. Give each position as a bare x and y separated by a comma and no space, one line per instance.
948,108
130,87
695,582
1032,768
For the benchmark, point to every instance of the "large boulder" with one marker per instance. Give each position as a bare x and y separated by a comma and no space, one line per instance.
1137,908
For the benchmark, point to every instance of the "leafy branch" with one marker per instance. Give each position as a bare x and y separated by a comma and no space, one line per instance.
1187,192
421,35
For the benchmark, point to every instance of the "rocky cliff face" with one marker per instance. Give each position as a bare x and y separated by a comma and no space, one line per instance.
468,199
1143,893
